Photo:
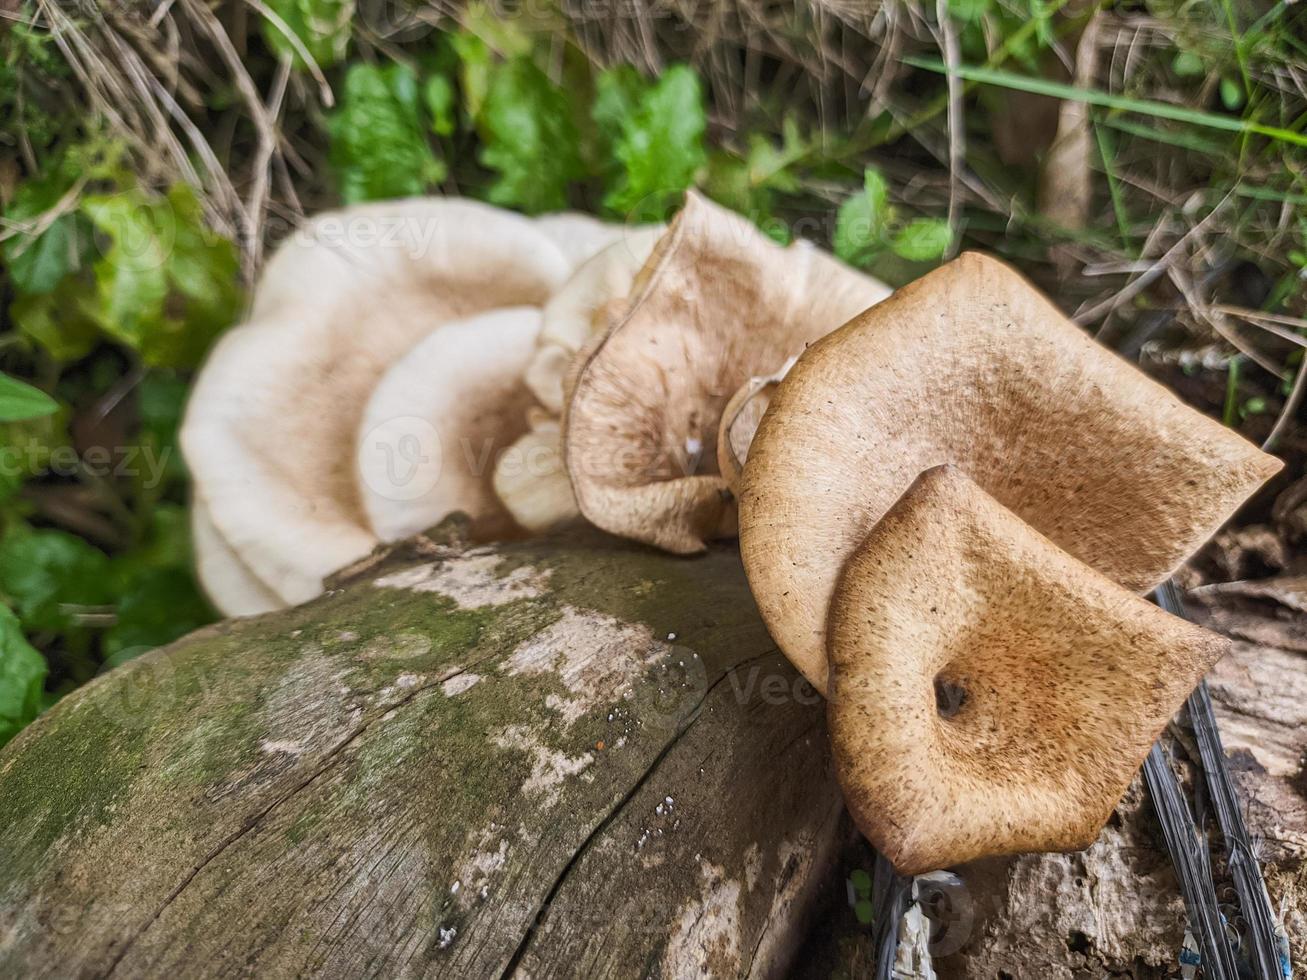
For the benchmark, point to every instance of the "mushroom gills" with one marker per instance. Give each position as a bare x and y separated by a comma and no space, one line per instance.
990,693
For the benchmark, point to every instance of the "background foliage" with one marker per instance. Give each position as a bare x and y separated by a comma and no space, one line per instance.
150,154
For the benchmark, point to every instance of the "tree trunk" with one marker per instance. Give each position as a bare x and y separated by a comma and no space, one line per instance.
569,756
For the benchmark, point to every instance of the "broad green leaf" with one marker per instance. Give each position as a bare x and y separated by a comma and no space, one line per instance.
322,27
969,10
160,400
860,225
1232,94
45,573
529,139
922,240
22,675
167,285
379,145
19,401
658,145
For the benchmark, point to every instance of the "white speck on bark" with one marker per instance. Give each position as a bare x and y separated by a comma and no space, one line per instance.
471,580
549,768
459,683
597,658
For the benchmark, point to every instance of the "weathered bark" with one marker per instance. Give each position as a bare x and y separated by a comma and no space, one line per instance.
573,758
563,757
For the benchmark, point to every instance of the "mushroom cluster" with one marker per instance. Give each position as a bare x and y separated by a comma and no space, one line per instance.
404,361
946,516
376,383
948,501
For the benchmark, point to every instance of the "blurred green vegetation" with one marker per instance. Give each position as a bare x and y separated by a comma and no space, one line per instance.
119,273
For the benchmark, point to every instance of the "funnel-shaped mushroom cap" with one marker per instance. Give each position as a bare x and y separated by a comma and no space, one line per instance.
989,693
971,365
227,581
272,422
437,421
717,303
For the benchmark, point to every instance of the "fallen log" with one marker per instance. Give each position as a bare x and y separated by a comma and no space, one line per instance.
570,756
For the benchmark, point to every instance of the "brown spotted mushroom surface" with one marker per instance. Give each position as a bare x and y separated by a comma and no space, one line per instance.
971,365
989,692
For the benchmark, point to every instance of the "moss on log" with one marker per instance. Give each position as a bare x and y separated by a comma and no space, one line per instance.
561,757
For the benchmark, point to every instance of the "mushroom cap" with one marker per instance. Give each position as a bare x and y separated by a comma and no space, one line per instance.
579,236
438,420
1064,681
226,580
580,309
740,420
530,478
717,302
271,426
971,365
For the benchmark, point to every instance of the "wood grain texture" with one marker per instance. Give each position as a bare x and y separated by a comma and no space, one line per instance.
553,757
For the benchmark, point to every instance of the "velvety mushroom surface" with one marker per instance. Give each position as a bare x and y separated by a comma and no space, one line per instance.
717,303
989,693
971,365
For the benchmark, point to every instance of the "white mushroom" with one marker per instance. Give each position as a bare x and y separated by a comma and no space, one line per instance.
531,479
272,422
438,420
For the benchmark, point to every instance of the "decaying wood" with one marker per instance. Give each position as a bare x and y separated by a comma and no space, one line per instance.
566,757
557,759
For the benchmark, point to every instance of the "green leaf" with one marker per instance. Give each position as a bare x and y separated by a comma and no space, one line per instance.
38,263
747,185
1188,65
44,572
166,284
323,28
160,401
379,145
865,911
529,138
19,401
922,240
22,676
1232,94
969,10
63,322
861,881
159,606
441,104
861,222
658,143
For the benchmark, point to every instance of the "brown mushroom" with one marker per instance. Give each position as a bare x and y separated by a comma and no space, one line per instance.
989,693
740,420
717,302
971,365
